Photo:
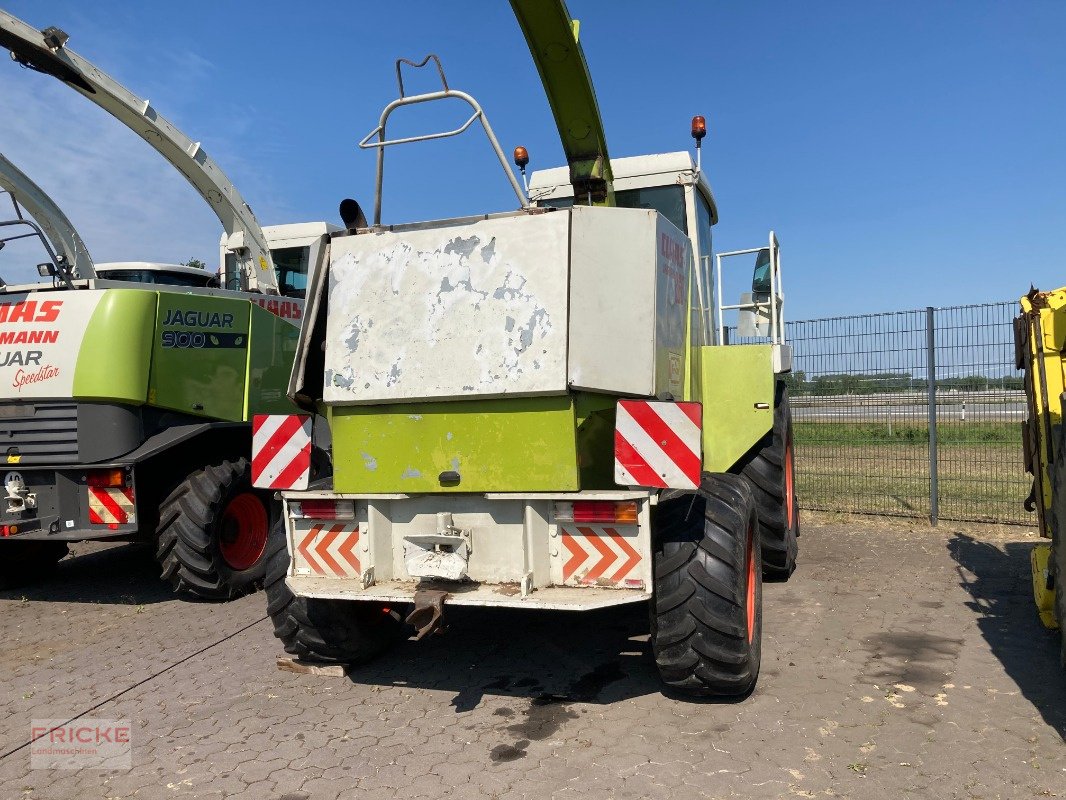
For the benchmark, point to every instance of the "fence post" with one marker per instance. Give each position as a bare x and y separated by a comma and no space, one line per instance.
930,344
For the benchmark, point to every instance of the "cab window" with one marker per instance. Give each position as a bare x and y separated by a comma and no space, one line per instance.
159,277
290,266
703,224
667,200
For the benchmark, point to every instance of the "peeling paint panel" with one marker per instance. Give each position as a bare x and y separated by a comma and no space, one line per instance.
463,311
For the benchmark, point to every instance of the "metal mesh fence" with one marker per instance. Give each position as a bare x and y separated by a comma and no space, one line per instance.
862,388
980,406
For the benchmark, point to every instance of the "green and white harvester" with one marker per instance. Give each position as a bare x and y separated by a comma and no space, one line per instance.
127,390
536,409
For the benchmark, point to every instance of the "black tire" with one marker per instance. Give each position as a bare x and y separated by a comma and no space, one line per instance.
706,623
769,468
25,562
211,541
328,631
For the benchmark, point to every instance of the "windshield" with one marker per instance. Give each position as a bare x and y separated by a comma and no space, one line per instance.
667,200
158,277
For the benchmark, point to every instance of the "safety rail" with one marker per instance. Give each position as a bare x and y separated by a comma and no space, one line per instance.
773,304
404,100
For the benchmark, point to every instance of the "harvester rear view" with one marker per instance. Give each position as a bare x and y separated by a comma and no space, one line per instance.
533,409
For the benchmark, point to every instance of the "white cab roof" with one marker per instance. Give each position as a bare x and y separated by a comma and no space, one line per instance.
294,234
635,172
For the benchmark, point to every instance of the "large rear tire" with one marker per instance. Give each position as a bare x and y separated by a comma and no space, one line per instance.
25,562
706,624
770,470
212,533
347,631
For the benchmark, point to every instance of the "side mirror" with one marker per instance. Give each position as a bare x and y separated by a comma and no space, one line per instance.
760,278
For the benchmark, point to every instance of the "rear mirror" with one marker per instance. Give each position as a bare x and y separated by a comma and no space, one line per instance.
760,278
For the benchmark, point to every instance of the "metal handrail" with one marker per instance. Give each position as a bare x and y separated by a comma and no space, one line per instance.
776,302
403,100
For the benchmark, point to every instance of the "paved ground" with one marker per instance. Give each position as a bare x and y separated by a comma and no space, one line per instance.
897,663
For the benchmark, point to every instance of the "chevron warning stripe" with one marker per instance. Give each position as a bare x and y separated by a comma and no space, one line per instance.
658,445
281,451
330,550
600,555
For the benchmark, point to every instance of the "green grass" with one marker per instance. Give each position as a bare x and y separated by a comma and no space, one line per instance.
908,433
982,481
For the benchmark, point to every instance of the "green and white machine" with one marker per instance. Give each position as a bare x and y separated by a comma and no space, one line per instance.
534,409
127,390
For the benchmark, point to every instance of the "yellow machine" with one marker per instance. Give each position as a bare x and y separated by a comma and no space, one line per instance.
1040,349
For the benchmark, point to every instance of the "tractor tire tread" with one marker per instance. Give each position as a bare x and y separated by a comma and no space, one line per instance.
186,546
699,628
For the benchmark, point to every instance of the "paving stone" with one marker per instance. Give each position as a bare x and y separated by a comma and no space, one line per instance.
898,661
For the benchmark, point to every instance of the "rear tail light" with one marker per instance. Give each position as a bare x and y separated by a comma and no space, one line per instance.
106,478
323,509
597,511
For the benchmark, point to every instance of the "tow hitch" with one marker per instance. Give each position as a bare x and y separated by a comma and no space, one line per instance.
19,498
428,612
444,555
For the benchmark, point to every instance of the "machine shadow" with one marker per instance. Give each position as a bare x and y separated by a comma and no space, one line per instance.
119,574
549,658
1001,595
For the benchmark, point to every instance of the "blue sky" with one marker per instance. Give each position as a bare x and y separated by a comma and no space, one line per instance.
907,153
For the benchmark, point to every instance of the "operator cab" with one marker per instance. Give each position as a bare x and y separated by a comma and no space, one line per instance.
667,182
673,185
295,250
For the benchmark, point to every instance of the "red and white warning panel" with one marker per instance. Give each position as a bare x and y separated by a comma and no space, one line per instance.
329,551
281,451
111,506
658,445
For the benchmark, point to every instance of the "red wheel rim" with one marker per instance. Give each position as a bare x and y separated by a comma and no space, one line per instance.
244,530
790,470
750,598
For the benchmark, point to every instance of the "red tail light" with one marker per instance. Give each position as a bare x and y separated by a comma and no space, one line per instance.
594,511
106,478
324,509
